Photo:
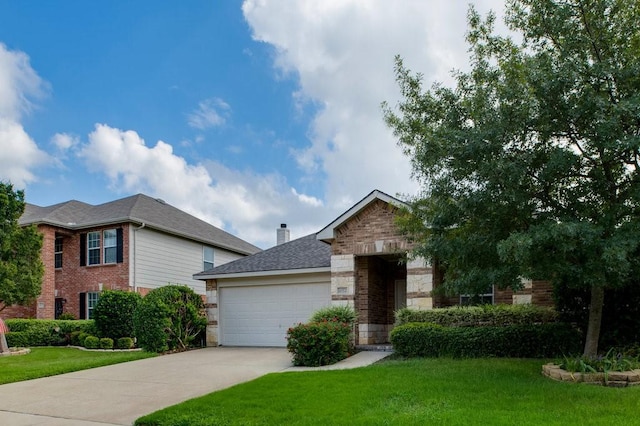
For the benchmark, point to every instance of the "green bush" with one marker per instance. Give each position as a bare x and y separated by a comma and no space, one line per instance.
318,343
92,342
169,318
485,315
345,314
516,341
46,332
66,316
19,339
114,311
124,343
106,343
81,337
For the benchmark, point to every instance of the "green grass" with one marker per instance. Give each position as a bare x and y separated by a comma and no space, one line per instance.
43,362
414,392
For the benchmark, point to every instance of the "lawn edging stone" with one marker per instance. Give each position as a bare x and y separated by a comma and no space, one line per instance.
617,379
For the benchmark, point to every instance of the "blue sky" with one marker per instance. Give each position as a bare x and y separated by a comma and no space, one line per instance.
245,114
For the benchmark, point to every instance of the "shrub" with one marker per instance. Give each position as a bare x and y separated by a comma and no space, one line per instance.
106,343
168,318
467,316
66,316
114,311
18,339
81,337
611,361
517,341
345,314
46,332
92,342
124,343
318,343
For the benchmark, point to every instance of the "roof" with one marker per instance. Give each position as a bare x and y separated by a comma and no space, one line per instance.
301,255
152,212
328,232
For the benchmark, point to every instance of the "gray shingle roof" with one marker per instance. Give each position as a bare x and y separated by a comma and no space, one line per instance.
140,208
304,253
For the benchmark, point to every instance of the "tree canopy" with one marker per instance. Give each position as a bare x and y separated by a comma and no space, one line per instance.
21,268
529,165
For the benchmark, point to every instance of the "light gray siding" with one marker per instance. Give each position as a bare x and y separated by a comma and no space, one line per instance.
160,259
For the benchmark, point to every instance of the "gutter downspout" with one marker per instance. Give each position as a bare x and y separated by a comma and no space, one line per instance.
135,285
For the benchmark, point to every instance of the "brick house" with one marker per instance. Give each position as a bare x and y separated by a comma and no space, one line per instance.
359,259
134,244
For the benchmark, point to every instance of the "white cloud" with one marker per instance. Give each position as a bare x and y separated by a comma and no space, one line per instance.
244,203
64,141
19,83
210,113
342,51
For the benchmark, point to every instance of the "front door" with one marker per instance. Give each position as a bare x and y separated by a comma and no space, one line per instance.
59,306
400,294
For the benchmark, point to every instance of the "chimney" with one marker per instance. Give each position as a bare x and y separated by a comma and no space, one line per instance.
282,234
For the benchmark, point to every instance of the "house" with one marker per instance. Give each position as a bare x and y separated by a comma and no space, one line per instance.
136,244
359,259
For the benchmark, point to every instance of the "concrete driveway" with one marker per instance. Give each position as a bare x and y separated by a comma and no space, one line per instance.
119,394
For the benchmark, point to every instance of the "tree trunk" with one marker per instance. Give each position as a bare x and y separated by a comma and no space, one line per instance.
595,320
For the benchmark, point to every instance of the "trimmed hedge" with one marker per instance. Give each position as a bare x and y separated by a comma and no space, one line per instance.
34,332
515,341
319,343
92,342
124,343
113,314
106,343
474,316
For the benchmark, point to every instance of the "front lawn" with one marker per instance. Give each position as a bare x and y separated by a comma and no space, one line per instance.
422,391
43,362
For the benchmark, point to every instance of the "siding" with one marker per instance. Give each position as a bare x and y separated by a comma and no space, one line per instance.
161,259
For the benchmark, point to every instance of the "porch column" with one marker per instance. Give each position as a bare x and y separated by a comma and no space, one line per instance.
419,284
343,280
211,307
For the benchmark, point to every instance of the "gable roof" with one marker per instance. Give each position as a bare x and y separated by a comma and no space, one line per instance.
301,255
141,209
328,232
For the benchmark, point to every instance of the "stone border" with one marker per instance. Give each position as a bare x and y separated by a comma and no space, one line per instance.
614,379
16,351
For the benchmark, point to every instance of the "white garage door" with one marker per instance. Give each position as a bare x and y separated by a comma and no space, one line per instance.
261,315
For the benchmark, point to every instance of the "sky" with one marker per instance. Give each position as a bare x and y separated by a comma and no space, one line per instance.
245,114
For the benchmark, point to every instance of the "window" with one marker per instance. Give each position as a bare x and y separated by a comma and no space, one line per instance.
110,245
92,299
485,298
207,257
58,252
93,248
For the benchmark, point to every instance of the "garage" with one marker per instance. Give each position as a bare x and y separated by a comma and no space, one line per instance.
260,315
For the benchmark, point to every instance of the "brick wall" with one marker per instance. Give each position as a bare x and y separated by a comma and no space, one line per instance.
538,293
73,279
375,223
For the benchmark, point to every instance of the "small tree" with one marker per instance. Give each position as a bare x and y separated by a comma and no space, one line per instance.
21,268
113,314
168,318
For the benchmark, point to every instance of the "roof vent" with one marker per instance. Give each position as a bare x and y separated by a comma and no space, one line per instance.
161,201
282,234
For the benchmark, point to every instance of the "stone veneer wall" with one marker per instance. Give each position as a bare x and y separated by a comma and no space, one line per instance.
211,307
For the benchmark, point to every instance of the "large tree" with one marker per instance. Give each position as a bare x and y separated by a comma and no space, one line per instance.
529,165
21,268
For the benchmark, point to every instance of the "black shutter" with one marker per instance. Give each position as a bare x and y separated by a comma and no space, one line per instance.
119,245
83,249
83,306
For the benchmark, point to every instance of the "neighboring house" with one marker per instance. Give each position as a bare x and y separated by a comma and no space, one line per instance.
136,244
359,259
